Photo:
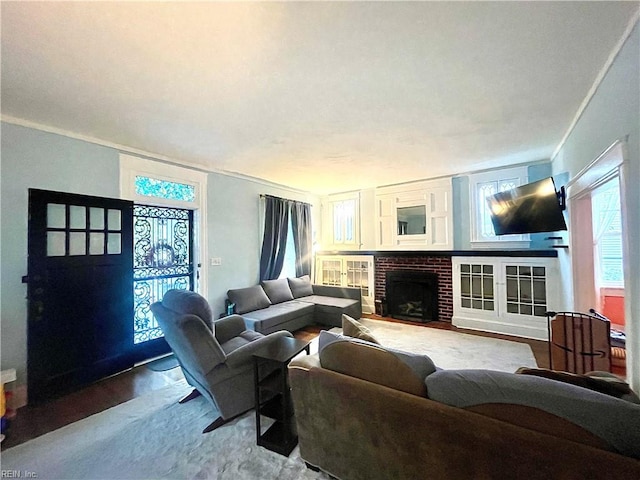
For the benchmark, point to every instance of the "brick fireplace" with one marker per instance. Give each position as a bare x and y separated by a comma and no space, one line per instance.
439,265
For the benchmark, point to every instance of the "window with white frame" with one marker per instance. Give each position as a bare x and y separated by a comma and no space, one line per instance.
607,234
342,218
483,185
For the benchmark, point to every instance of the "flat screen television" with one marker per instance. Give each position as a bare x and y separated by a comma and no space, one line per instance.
531,208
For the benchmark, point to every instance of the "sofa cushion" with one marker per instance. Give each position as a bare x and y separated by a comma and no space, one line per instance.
353,328
371,362
249,299
603,382
301,286
279,313
278,291
614,420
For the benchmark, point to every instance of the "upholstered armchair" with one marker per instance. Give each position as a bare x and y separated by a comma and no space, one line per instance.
215,356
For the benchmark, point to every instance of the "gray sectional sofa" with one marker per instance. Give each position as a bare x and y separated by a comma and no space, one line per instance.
293,303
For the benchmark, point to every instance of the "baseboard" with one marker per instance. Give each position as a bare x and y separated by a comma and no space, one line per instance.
504,328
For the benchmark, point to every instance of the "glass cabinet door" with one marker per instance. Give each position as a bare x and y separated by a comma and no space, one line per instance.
526,290
358,275
331,272
476,286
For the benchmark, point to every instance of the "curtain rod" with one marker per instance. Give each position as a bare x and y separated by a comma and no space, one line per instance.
264,195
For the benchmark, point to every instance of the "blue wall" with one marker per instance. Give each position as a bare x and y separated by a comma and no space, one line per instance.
35,159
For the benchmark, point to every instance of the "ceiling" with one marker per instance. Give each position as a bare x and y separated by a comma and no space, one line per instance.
322,97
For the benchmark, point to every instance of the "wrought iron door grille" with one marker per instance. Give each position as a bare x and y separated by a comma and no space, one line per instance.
162,260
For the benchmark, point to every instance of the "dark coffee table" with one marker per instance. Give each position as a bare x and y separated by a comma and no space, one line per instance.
273,397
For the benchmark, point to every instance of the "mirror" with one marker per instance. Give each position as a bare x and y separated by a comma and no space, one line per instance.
412,220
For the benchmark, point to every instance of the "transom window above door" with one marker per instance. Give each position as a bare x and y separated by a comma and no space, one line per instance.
168,190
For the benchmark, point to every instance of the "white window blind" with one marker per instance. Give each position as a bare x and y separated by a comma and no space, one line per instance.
607,234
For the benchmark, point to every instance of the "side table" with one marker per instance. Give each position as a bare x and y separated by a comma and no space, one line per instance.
273,397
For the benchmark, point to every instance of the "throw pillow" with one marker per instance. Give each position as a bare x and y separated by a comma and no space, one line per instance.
277,290
249,299
301,286
353,328
403,371
327,338
602,382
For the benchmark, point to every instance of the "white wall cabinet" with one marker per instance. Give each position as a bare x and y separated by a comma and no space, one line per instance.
415,216
348,271
507,295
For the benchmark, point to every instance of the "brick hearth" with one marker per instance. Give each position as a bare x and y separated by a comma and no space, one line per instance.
438,265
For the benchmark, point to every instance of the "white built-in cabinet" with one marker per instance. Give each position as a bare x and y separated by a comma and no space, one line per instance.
348,271
507,295
416,216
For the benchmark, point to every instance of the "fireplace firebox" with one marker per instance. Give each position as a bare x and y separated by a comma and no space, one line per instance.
412,295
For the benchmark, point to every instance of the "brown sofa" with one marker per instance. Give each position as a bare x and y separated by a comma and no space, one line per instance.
362,415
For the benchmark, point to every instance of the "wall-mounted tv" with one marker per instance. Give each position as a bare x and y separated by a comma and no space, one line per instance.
531,208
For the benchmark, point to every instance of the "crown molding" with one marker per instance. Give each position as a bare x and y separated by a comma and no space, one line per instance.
142,153
598,81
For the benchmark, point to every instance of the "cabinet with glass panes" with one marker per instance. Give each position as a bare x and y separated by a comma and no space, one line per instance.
348,271
508,295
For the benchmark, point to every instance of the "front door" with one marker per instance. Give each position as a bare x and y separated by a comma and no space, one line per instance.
162,260
80,301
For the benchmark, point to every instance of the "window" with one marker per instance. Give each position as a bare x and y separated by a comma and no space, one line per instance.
483,185
607,234
289,265
153,187
343,221
341,215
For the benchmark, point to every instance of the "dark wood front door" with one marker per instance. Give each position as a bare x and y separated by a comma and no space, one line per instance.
80,300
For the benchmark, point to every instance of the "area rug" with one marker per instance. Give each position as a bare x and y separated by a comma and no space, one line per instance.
154,437
453,350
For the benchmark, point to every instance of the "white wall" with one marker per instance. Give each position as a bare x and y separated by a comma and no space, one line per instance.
36,159
613,113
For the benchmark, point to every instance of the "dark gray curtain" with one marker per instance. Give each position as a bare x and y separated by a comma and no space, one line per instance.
301,225
276,225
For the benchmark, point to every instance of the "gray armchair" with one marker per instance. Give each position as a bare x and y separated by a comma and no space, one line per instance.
215,356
